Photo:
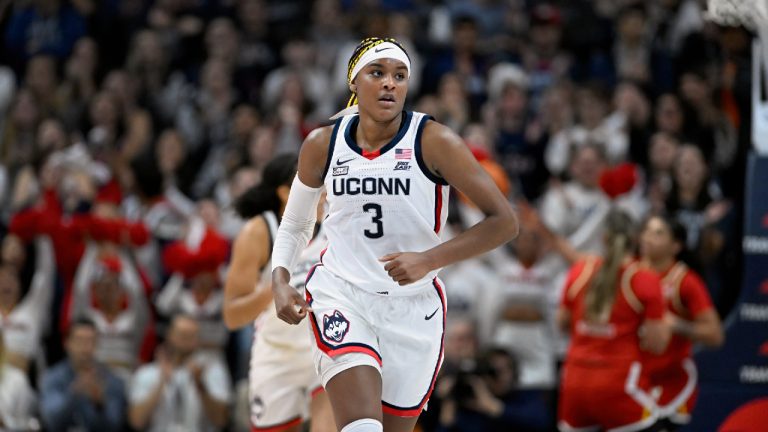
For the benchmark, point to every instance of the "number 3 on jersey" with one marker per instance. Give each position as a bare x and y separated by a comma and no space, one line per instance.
376,219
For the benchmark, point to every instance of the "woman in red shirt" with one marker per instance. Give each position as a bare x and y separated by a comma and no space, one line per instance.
613,309
690,316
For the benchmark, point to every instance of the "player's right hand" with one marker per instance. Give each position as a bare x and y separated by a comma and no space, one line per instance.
290,306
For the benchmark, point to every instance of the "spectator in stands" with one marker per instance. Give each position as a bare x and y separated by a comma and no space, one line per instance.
300,65
526,306
452,99
109,292
104,131
179,391
79,81
577,208
461,342
19,130
204,120
17,399
696,201
706,125
194,288
258,50
149,63
485,398
81,392
633,107
41,78
172,157
47,26
662,154
135,118
543,57
596,126
224,160
668,115
519,139
24,319
462,57
52,136
462,347
632,50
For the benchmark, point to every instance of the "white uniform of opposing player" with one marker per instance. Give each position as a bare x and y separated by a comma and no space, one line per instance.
378,203
282,378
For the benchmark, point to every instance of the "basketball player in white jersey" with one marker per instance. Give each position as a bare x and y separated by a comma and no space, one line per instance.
284,390
376,307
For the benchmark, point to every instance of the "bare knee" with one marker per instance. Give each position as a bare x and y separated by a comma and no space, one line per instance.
355,394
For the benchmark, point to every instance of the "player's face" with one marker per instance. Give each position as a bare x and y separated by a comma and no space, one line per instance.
381,87
657,241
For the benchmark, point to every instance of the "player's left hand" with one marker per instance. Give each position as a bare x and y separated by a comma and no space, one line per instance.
406,267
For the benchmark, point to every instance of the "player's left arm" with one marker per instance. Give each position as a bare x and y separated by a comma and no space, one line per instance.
446,156
705,328
243,302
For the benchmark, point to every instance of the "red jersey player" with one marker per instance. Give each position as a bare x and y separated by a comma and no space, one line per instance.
606,302
690,315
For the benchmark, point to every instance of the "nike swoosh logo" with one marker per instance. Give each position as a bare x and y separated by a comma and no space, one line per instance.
381,49
341,162
429,317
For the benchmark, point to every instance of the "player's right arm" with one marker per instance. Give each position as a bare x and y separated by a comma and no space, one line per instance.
298,222
243,302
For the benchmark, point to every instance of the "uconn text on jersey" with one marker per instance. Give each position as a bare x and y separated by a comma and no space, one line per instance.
371,186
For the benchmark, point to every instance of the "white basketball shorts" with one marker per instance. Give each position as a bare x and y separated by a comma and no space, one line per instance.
401,336
282,383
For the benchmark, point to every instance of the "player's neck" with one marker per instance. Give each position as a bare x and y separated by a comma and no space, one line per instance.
372,135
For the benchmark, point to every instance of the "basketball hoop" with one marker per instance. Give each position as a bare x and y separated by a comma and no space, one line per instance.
752,14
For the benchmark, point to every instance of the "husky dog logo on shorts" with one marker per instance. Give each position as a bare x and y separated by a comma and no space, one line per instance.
335,327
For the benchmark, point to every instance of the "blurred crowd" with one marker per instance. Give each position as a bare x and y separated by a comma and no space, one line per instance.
128,127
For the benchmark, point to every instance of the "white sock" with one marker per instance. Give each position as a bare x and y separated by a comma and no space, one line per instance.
364,425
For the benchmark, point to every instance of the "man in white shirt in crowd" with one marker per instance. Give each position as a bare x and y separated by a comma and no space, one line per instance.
180,391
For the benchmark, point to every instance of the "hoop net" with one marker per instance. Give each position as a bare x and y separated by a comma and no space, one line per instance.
752,14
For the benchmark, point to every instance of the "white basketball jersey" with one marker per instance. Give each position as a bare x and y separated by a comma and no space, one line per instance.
380,203
272,330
